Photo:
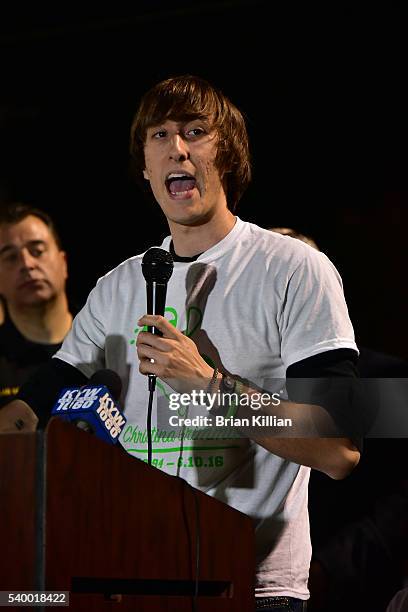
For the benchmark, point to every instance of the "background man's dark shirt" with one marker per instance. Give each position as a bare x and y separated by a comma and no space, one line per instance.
19,359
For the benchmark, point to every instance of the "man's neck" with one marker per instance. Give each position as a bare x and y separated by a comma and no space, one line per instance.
190,240
46,323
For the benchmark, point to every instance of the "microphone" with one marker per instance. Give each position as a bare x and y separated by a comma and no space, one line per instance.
157,268
93,407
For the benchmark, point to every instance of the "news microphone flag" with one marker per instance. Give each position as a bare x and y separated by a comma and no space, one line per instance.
94,406
67,395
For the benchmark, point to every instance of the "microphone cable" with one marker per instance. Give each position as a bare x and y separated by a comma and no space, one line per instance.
152,386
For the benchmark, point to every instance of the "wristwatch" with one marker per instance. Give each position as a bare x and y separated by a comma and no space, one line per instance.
231,386
227,384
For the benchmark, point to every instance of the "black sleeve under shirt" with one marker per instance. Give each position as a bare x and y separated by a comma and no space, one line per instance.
330,380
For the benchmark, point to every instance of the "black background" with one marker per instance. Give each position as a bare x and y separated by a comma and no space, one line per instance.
325,95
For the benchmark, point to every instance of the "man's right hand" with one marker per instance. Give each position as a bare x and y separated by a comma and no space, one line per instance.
17,417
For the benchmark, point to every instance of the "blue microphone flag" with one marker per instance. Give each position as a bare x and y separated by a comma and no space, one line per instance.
94,406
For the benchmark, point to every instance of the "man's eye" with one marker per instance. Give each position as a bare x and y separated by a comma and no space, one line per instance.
160,134
194,132
9,258
36,252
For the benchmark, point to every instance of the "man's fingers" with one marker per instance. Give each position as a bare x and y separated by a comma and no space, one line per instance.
157,342
161,323
147,366
148,352
17,416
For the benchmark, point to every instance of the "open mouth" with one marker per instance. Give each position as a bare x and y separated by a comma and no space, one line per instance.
179,184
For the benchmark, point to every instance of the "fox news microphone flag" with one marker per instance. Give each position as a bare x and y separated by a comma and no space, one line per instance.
93,406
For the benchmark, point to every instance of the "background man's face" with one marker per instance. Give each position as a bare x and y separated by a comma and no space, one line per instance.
32,268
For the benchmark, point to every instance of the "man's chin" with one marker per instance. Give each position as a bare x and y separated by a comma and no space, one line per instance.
36,299
192,219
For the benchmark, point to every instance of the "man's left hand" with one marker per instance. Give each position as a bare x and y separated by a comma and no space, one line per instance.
172,357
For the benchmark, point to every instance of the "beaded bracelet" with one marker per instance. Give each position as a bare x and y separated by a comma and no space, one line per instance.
213,381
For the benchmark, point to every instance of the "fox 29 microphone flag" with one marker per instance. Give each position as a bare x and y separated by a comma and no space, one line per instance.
92,408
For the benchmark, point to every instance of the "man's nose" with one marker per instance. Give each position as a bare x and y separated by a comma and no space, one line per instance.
178,149
27,261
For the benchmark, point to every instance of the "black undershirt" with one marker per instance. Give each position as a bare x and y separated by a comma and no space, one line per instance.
179,258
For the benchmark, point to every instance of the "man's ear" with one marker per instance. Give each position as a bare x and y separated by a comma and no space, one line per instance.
64,263
146,175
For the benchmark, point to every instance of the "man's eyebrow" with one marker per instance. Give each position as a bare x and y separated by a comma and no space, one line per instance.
7,247
204,120
10,247
181,122
162,125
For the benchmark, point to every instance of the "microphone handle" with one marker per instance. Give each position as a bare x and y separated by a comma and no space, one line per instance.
156,300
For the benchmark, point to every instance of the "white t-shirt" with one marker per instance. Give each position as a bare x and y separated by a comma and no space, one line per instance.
254,304
399,603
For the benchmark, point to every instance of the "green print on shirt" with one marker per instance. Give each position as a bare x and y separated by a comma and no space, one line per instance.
194,461
194,317
173,322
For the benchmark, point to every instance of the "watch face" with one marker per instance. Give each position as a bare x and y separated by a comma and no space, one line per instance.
228,383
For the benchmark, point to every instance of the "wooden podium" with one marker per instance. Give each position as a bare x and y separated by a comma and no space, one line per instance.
81,516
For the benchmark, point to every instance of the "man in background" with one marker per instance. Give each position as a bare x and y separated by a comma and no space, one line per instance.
33,274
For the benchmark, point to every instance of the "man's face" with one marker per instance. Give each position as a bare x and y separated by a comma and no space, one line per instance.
180,165
32,268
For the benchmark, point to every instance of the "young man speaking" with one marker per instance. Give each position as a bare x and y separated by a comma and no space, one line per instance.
243,304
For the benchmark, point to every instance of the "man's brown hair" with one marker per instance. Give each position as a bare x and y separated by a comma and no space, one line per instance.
185,98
